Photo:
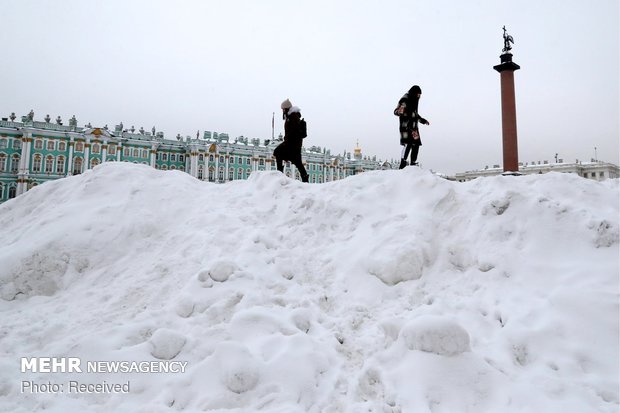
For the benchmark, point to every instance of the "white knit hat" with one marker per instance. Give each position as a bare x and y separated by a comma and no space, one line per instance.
286,104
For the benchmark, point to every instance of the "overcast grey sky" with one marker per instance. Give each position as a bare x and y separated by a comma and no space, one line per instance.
225,66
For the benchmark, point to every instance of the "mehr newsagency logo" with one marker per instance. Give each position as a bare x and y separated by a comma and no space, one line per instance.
76,365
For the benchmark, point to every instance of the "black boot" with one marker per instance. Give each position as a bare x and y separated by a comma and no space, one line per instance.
403,163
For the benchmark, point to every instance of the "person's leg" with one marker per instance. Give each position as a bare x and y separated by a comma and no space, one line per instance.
301,168
403,155
278,154
414,154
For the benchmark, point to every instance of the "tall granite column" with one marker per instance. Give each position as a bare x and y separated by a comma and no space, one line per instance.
509,112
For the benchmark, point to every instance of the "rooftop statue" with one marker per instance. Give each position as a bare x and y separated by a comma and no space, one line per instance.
29,118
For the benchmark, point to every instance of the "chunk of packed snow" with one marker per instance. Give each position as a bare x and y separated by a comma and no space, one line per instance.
436,335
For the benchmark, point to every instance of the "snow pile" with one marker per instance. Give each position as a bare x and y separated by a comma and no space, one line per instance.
390,291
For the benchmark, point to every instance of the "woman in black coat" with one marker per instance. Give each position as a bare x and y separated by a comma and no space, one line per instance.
408,117
290,149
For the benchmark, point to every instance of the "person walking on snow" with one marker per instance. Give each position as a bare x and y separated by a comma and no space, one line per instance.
294,133
408,118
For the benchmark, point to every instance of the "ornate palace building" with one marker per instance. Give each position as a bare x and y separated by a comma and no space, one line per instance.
33,152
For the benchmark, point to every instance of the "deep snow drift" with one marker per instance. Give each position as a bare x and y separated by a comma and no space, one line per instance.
390,291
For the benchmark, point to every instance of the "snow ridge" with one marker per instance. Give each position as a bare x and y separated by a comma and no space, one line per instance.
390,291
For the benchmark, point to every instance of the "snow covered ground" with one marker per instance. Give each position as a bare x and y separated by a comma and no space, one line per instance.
390,291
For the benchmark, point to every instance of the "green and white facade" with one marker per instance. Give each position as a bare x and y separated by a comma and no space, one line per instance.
33,152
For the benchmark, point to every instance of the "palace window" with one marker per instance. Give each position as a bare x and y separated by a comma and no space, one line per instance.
201,172
36,163
164,157
1,191
49,164
211,158
231,174
62,146
4,143
211,174
51,145
60,165
79,147
38,144
136,153
221,159
145,153
173,157
12,192
240,173
17,144
77,166
2,162
96,148
248,172
112,150
201,158
220,176
94,162
181,158
240,161
261,162
248,161
14,164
